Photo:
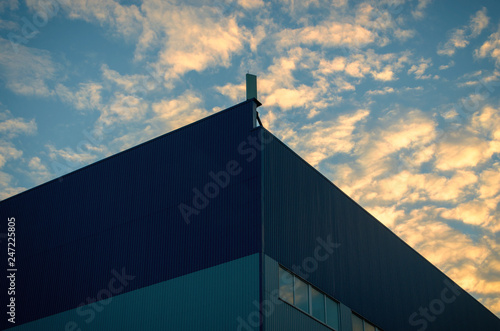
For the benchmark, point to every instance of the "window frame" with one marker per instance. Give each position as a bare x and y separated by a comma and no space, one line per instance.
309,291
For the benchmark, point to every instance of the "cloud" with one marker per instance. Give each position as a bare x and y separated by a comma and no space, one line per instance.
478,22
12,5
418,12
71,158
385,90
447,66
133,84
382,67
38,171
324,139
386,215
124,20
8,152
122,108
419,70
328,34
490,182
461,150
251,4
457,40
473,145
175,113
87,97
8,25
27,71
11,127
491,48
191,38
459,37
7,186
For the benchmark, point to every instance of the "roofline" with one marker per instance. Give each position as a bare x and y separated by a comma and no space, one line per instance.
254,100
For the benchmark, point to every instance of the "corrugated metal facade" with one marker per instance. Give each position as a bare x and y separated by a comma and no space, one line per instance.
369,269
121,215
122,212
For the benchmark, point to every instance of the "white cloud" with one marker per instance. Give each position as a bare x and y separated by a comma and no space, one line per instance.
447,66
7,186
329,34
386,215
70,157
457,40
491,48
324,139
461,150
26,70
478,22
419,70
175,113
251,4
191,38
11,127
459,37
122,108
490,182
38,171
381,67
125,20
8,152
418,12
385,90
87,97
134,84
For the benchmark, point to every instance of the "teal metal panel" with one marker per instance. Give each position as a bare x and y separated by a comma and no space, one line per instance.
215,298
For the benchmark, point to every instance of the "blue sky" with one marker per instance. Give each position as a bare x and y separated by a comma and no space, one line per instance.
396,101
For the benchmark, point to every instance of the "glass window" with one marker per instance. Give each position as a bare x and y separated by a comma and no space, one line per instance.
286,286
357,323
332,313
301,295
317,304
369,327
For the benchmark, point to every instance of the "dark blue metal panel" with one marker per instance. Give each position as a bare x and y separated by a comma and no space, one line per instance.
368,268
122,212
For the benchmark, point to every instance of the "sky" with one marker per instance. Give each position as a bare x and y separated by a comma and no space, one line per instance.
396,101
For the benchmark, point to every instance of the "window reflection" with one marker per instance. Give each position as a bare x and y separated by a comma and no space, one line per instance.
357,323
317,304
369,327
286,286
332,313
301,295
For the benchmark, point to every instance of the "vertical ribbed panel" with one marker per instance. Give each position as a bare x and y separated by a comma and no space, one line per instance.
196,301
372,272
122,212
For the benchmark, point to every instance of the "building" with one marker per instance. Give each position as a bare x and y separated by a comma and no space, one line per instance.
217,226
